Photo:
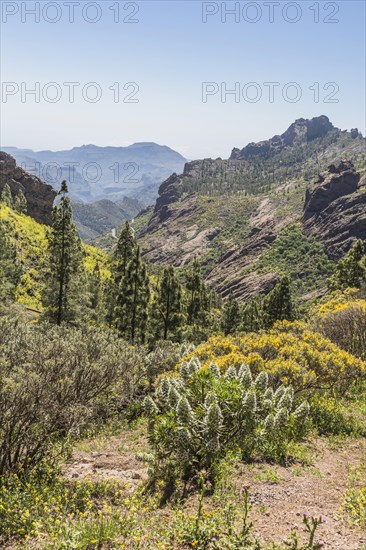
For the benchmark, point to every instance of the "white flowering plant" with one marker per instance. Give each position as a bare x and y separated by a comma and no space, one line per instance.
196,418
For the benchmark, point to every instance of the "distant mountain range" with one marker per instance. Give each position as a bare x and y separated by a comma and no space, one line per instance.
107,185
94,173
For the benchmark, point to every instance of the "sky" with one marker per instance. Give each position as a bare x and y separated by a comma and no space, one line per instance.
118,72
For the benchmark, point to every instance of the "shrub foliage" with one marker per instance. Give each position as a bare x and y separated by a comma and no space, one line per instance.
55,381
291,353
197,417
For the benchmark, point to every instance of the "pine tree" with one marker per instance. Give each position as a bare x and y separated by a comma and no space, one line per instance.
121,258
95,291
167,315
6,196
230,316
278,305
132,300
253,315
10,269
20,204
351,270
64,294
124,252
109,298
197,294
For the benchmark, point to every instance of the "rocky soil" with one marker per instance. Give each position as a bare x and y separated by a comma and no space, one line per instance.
280,496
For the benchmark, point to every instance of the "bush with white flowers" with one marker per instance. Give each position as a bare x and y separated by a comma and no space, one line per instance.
196,418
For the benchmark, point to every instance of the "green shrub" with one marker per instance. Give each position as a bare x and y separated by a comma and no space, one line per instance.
197,417
332,416
57,381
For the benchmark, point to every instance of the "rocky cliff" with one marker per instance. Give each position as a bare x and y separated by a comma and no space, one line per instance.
39,196
335,208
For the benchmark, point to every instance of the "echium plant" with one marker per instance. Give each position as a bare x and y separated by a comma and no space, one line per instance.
197,417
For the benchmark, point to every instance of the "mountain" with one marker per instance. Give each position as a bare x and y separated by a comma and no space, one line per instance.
97,218
244,217
94,173
39,196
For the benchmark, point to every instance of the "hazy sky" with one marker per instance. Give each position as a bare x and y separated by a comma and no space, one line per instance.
270,53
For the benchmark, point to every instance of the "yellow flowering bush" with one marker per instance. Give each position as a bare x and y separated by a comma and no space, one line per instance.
355,496
290,352
335,301
342,319
41,501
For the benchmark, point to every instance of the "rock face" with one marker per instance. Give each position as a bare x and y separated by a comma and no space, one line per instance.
338,181
165,240
168,193
335,208
39,196
302,130
176,235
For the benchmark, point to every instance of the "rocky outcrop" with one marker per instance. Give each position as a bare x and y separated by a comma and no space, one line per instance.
172,235
302,130
168,194
338,181
335,209
180,238
39,196
307,130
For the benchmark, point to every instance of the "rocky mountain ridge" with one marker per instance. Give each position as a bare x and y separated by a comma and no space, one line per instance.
97,218
39,195
302,130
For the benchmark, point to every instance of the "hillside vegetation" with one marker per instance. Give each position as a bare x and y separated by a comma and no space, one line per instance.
140,410
30,239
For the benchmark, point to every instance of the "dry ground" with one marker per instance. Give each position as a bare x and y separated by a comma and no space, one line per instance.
279,495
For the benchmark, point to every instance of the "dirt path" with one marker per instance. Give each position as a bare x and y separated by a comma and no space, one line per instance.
280,495
316,490
109,457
